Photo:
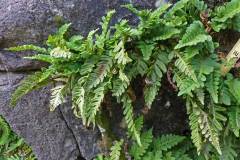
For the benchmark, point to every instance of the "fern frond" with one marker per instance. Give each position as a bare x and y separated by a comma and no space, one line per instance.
212,85
166,142
185,85
138,151
234,120
129,118
58,40
57,96
27,48
184,67
176,7
146,49
141,66
28,84
194,35
165,32
119,87
224,13
5,131
116,150
194,113
234,87
150,92
98,75
78,100
94,103
106,21
209,131
121,55
42,57
60,53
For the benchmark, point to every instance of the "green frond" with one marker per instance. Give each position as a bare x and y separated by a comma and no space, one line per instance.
75,43
95,103
208,131
194,35
194,113
78,100
116,150
5,132
218,117
57,96
121,55
129,118
119,87
228,152
42,57
27,48
146,49
225,95
34,81
106,21
97,76
57,40
87,66
200,94
212,85
176,7
150,93
60,53
223,13
234,119
165,32
185,85
138,151
184,67
234,86
141,66
166,142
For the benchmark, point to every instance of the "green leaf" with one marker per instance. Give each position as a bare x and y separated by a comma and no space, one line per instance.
194,35
146,49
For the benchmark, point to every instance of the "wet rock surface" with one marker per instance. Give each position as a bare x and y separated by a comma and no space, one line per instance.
59,135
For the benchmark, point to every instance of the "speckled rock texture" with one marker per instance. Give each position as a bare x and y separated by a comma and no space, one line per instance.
59,135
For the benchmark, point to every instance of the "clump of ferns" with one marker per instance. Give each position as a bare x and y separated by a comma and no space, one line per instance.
179,36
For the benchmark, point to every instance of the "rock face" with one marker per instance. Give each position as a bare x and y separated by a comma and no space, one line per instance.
57,135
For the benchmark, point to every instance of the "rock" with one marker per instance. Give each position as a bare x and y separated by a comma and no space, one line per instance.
47,132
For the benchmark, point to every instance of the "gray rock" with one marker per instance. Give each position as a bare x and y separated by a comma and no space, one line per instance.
47,132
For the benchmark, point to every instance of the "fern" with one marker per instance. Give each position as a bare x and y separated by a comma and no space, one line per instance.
194,35
98,75
128,115
224,13
234,120
57,96
112,59
95,102
212,86
26,48
166,142
28,84
184,67
5,132
146,139
116,151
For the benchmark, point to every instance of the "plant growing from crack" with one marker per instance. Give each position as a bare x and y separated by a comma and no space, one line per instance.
176,38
